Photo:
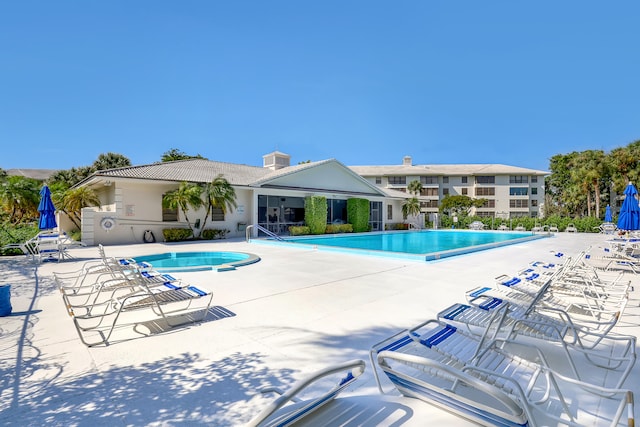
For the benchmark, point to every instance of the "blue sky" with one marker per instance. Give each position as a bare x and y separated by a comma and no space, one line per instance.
365,82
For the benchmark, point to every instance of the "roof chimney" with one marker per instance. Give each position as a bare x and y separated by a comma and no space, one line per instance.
276,160
406,161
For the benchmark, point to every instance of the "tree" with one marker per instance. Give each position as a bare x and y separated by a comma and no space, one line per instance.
414,187
220,194
188,195
459,204
110,161
410,207
73,200
19,198
175,154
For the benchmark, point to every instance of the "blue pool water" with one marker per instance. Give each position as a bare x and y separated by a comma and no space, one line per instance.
195,261
426,244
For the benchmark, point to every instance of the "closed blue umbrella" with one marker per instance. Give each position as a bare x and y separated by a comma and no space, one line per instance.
47,210
629,218
607,214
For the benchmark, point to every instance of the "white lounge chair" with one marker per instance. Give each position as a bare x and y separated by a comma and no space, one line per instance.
175,303
503,227
614,354
497,382
288,409
553,228
476,225
571,228
520,227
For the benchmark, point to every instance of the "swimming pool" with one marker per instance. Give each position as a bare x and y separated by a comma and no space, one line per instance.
425,245
198,261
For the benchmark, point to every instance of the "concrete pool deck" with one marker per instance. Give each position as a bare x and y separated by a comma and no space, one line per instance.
273,322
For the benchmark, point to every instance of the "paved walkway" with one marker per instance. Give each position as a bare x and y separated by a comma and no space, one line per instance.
293,312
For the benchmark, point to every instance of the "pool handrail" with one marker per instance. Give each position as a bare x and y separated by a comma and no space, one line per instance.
260,228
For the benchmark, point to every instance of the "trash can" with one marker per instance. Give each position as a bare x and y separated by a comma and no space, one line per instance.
242,226
5,300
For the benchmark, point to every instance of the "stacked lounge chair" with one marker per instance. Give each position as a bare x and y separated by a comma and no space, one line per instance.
509,355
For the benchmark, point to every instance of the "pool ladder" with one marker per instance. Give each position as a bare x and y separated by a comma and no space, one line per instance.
264,230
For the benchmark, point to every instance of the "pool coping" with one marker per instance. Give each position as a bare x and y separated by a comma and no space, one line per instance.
252,258
430,256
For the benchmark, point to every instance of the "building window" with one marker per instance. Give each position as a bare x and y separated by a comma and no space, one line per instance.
429,192
464,179
534,203
169,215
518,191
378,180
485,179
489,203
217,214
445,191
445,179
534,191
464,191
534,179
485,191
428,180
518,203
389,212
518,214
518,179
398,180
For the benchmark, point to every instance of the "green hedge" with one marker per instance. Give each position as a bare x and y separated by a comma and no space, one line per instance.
338,228
315,214
299,230
358,214
586,224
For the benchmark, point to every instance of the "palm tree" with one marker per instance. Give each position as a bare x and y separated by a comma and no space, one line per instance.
414,187
220,194
72,201
410,207
188,195
19,197
175,154
111,161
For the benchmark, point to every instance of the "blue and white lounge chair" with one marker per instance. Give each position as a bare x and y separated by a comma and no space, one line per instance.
492,382
614,355
174,302
288,409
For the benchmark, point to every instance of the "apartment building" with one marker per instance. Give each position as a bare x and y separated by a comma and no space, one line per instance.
510,191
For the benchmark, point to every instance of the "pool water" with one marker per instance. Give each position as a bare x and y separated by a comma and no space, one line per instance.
425,244
197,261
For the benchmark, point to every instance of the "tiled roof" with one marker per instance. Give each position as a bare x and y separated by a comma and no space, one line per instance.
462,169
190,170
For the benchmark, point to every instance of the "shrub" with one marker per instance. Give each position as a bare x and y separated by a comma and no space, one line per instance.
396,226
299,230
214,233
315,213
339,228
358,214
176,234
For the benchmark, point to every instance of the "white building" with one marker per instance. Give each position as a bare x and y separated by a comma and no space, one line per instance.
272,196
510,191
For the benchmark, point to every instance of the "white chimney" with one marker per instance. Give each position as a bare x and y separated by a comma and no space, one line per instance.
406,161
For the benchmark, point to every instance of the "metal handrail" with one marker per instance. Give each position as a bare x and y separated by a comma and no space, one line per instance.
260,228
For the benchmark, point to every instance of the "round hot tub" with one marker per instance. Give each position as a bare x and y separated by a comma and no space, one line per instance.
198,261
